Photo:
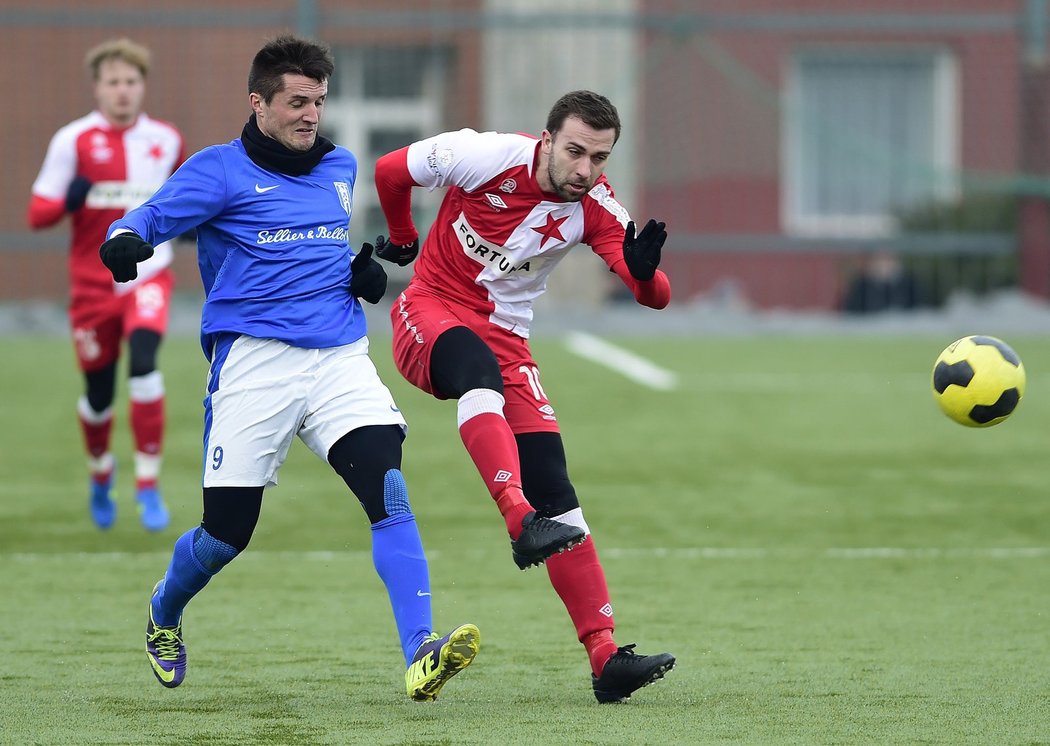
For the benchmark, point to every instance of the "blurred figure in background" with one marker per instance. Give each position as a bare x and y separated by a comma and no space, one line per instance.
514,206
883,284
97,168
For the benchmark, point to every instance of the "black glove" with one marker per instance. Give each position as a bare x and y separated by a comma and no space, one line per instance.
642,254
77,193
367,276
400,255
121,253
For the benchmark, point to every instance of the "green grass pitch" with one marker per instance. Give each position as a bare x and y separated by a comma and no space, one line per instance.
831,559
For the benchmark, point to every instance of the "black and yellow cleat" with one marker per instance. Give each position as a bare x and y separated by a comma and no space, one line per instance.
165,650
439,659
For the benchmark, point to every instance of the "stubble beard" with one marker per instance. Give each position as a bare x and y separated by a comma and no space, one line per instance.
561,187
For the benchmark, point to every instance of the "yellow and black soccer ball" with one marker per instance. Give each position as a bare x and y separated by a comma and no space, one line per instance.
978,381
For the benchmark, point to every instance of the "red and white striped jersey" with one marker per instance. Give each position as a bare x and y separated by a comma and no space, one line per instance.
125,166
497,235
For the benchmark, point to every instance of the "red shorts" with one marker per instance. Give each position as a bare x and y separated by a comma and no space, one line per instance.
419,318
102,323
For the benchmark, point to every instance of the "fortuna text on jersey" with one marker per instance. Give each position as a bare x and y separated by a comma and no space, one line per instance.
495,258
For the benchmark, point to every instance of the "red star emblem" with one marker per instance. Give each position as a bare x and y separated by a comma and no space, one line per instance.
156,152
550,230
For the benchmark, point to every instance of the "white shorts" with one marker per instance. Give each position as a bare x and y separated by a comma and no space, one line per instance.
263,393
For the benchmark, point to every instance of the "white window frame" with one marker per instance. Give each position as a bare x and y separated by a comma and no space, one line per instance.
944,157
352,117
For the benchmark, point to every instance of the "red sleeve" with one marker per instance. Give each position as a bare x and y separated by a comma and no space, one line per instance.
44,212
394,185
181,158
654,293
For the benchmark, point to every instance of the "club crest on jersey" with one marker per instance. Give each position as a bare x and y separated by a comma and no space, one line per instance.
508,186
343,190
438,160
495,258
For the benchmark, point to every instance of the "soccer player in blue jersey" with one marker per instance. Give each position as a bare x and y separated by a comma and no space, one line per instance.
284,332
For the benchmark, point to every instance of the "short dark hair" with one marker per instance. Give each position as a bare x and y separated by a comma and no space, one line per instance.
288,54
593,109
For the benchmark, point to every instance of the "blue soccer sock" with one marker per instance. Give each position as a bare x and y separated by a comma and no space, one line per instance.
397,553
197,557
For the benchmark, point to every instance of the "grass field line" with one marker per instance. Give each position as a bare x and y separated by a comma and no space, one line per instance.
622,361
676,553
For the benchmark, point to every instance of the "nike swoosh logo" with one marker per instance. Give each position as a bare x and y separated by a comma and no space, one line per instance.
264,190
418,593
159,669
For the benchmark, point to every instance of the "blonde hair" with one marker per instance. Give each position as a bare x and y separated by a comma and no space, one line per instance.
117,49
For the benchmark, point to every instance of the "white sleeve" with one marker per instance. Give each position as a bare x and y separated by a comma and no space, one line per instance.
60,166
466,158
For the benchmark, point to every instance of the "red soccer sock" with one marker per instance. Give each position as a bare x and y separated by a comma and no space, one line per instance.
96,428
147,425
579,581
491,445
600,648
513,507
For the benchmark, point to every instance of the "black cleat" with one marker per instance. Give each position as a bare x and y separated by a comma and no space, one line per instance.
626,672
541,538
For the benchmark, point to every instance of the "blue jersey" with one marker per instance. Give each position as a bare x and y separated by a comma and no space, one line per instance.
273,249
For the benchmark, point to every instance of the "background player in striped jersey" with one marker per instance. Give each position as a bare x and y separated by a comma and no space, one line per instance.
514,206
96,169
285,335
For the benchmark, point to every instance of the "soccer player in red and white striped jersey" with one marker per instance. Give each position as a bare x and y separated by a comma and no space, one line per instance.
514,206
97,168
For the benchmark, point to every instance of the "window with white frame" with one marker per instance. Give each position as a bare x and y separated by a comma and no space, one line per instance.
867,132
380,99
